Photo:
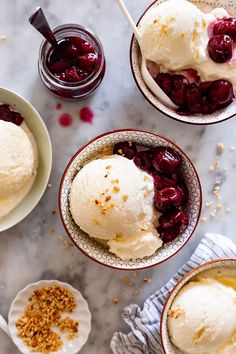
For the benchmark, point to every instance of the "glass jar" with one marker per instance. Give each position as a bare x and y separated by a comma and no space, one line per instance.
72,90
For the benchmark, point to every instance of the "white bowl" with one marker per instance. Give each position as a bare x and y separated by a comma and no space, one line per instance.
167,345
40,133
96,250
216,117
81,314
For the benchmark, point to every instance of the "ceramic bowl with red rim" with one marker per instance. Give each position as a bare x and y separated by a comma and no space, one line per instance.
168,346
135,61
94,249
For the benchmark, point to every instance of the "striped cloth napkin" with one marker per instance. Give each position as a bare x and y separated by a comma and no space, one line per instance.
144,337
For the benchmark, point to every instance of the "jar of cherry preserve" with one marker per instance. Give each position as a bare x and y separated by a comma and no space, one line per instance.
76,66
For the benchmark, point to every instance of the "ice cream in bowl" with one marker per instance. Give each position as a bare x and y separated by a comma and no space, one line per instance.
25,158
191,54
130,199
200,314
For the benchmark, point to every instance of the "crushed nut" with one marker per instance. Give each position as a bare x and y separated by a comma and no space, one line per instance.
116,300
107,198
44,312
220,148
108,167
147,280
116,189
125,197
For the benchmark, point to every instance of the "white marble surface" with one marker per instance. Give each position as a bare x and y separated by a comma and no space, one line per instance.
28,252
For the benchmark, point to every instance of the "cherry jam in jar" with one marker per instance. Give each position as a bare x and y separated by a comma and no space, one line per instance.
76,66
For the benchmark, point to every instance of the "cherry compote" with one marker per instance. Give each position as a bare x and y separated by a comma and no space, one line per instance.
171,193
76,66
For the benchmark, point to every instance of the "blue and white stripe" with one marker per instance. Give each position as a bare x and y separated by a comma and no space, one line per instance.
144,337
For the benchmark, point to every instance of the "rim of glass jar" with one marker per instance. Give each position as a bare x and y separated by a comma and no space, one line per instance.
63,84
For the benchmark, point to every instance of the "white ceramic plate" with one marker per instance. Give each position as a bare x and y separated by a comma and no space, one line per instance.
81,314
167,345
96,250
40,133
219,116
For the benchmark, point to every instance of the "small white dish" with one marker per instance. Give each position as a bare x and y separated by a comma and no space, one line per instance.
40,133
167,345
81,314
216,117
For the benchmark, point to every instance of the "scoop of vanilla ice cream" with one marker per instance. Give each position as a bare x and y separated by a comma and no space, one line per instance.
174,35
202,318
17,158
112,199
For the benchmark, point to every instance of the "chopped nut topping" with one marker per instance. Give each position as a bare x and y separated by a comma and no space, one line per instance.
176,312
97,202
220,148
42,313
107,198
96,222
147,280
155,21
182,34
51,230
116,300
54,211
120,151
108,167
125,197
112,205
114,181
204,219
116,189
49,185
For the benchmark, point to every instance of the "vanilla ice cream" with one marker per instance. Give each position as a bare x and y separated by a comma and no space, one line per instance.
111,199
202,318
174,35
18,164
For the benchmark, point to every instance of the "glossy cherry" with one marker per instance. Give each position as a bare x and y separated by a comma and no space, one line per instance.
166,160
169,197
125,148
193,99
161,181
226,26
10,116
172,224
221,92
143,160
220,48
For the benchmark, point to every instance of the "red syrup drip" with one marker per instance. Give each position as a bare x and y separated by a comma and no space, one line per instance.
86,115
58,105
65,120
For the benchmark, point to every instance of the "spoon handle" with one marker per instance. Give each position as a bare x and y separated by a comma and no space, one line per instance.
38,21
4,326
129,19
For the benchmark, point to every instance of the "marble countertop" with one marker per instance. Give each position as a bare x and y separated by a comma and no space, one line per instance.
34,249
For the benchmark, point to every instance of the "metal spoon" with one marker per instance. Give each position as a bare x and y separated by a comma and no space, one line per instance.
148,79
4,326
38,21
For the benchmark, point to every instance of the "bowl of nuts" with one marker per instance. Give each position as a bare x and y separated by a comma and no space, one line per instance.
49,316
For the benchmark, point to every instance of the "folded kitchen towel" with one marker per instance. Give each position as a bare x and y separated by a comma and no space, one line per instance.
144,337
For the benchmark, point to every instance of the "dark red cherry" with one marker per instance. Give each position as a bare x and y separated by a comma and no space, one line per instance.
88,62
166,160
207,107
220,48
193,98
143,160
59,66
164,80
82,74
168,197
173,218
86,48
60,76
5,113
191,75
71,75
161,181
168,235
226,26
179,84
172,224
16,118
125,148
221,92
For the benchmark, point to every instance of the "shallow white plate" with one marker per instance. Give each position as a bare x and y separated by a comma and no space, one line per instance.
219,116
81,314
40,133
